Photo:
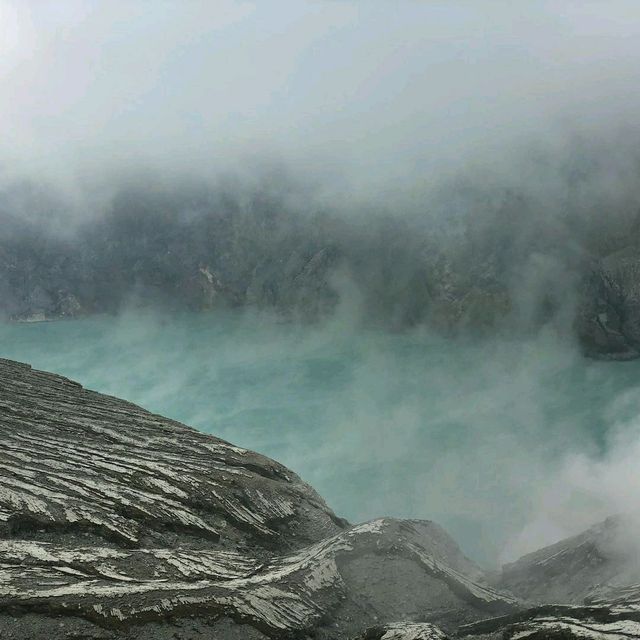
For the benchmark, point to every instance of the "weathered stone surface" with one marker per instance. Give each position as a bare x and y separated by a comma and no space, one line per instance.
118,523
285,593
404,631
560,622
569,571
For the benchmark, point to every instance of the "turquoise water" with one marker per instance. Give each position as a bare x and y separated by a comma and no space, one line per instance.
473,434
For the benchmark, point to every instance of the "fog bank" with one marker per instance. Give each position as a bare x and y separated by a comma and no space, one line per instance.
452,163
371,95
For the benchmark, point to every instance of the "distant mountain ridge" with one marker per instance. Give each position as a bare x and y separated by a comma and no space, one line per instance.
501,266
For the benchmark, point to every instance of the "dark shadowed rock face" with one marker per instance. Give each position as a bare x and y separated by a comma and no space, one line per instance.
453,264
118,523
608,319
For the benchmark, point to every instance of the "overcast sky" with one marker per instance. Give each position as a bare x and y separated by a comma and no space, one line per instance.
371,88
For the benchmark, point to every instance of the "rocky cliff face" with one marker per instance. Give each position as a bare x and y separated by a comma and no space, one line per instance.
116,523
608,320
476,260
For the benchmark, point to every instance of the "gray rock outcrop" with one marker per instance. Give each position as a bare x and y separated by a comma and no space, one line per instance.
608,318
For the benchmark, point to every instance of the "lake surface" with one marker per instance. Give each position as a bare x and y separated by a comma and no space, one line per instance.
507,443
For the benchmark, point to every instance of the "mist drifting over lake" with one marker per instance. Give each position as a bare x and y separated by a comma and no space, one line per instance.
359,237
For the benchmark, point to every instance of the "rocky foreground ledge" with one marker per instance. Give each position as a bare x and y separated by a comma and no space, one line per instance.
116,523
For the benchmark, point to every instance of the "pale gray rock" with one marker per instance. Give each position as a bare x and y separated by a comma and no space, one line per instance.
74,461
293,592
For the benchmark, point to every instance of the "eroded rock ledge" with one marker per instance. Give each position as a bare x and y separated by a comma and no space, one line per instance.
116,523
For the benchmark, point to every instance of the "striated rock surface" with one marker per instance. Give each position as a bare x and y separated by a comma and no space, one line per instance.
404,631
75,461
118,523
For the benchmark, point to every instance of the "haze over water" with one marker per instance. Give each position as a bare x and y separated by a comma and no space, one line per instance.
508,444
